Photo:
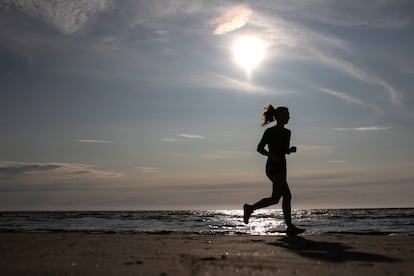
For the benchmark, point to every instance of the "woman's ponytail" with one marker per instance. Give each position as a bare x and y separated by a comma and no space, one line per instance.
268,114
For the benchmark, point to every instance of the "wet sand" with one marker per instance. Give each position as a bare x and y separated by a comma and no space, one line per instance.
181,254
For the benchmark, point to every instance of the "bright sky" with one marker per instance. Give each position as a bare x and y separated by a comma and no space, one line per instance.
109,105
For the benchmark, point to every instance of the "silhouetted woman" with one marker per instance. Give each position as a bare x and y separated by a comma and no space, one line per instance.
277,139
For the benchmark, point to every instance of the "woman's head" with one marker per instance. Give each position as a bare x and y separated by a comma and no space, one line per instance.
280,114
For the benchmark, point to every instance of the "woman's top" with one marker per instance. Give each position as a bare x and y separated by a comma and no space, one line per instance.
277,140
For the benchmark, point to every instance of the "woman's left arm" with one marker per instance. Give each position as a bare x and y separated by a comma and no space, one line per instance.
288,148
261,146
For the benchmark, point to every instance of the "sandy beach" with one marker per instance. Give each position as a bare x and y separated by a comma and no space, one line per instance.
181,254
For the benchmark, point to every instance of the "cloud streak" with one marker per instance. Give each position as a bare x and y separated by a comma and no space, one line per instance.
169,139
356,72
336,161
345,97
11,170
179,137
369,128
66,16
93,141
151,169
344,176
314,149
191,136
224,155
288,38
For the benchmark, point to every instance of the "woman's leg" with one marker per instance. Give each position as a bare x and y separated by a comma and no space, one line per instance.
265,202
281,189
274,198
286,205
284,190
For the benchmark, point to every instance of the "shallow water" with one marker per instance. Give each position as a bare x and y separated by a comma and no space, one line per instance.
399,221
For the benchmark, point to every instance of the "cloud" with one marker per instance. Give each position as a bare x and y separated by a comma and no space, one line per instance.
369,14
353,70
169,139
408,70
182,135
223,155
20,168
152,13
290,39
93,141
10,170
369,128
314,149
191,136
231,19
147,169
345,97
356,176
336,161
67,16
346,14
225,82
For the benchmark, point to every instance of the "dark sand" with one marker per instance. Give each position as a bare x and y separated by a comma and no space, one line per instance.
179,254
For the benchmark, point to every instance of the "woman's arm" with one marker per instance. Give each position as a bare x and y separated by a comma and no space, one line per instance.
261,146
288,148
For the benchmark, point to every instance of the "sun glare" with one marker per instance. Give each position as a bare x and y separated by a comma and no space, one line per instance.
248,52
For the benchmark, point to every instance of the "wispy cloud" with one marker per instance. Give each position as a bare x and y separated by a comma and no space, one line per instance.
191,136
288,38
10,169
53,170
222,155
219,81
150,169
408,70
150,13
336,161
314,149
353,176
368,14
226,82
345,97
93,141
169,139
68,17
369,128
358,73
181,137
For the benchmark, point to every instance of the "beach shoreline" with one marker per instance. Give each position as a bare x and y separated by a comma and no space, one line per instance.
192,254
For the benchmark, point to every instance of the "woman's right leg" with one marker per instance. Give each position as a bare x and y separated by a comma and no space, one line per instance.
266,202
275,175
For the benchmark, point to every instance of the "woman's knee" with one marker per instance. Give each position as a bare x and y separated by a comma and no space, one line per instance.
275,199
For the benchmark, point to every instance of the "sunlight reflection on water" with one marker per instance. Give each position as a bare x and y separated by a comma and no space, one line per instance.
262,222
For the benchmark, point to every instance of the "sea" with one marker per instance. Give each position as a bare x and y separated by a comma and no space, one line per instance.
394,221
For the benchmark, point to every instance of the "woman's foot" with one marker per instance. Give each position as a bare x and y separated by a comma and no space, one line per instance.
292,230
248,210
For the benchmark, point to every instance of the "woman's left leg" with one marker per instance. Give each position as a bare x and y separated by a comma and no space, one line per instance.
281,188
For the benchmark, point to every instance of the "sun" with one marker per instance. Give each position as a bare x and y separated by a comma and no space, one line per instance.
248,52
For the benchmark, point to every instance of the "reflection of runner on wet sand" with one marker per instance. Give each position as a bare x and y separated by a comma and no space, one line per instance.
277,139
